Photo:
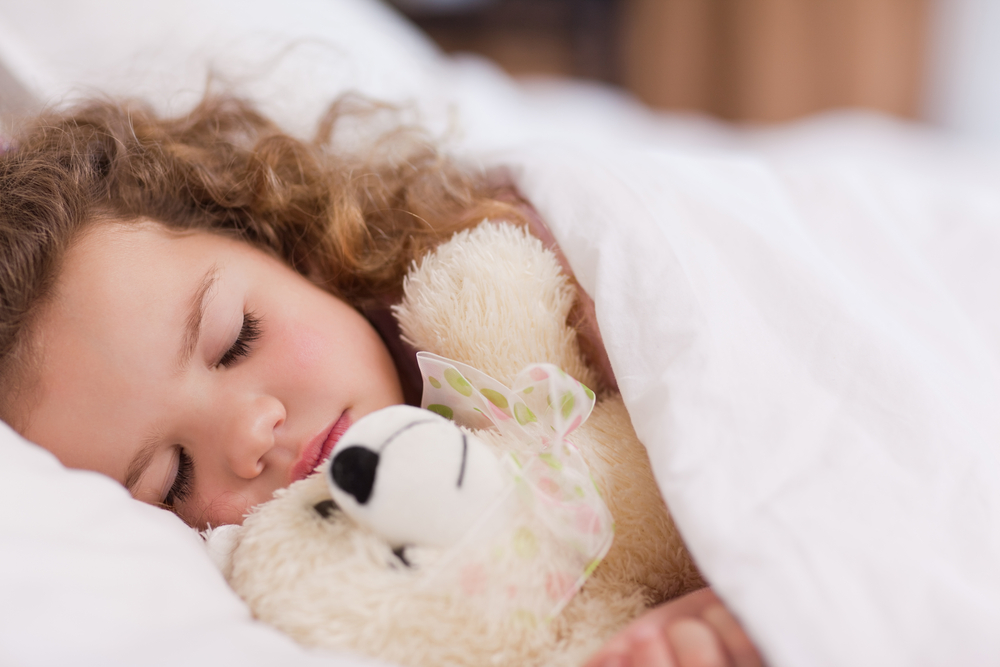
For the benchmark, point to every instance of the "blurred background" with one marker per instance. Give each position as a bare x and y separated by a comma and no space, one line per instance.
748,60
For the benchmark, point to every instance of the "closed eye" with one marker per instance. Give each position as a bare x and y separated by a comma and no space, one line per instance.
183,482
400,553
249,334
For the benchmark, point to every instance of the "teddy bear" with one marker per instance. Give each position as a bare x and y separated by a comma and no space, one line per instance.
528,535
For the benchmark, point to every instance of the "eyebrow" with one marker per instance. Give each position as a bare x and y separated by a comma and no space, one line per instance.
196,312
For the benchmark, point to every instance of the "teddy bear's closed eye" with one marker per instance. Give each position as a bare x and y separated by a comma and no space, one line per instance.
400,553
325,508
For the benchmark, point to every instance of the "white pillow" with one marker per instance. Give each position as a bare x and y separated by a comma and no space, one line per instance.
90,576
292,57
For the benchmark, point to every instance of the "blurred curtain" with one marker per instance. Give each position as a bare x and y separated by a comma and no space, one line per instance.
963,91
773,60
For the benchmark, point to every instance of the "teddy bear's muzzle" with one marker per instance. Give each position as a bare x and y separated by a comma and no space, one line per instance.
413,477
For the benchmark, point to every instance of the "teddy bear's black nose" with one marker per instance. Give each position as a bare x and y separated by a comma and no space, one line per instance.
353,471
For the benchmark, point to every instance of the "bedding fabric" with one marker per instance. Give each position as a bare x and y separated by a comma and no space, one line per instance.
808,347
91,577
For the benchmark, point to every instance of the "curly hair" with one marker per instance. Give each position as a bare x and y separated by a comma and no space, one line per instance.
349,221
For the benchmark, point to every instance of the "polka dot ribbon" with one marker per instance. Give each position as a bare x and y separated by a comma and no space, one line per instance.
562,528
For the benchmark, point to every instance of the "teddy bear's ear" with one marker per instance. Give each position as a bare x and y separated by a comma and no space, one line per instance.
494,298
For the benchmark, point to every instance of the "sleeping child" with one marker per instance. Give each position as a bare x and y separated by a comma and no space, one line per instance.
194,306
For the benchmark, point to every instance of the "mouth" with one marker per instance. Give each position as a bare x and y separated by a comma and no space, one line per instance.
318,449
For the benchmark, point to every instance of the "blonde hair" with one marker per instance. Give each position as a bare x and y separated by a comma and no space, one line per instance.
351,222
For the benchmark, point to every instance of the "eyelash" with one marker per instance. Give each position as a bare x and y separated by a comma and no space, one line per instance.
249,334
183,481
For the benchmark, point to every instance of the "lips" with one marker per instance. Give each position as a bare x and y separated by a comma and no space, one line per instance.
319,448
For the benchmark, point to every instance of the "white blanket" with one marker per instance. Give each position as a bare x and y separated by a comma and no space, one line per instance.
809,349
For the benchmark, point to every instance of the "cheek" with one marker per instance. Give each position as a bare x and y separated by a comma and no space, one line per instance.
305,348
220,508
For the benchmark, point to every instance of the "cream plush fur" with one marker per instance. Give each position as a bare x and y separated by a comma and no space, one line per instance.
495,299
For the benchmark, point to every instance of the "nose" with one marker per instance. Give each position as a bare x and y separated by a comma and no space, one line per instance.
251,435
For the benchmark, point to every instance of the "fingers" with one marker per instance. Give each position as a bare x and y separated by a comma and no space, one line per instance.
687,642
695,644
650,649
641,644
737,644
693,631
644,648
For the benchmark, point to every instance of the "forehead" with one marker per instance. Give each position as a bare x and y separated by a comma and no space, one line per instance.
117,288
111,264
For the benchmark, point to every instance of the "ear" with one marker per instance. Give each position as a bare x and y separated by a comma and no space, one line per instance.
492,297
221,543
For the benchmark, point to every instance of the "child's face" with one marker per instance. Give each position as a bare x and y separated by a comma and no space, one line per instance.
197,370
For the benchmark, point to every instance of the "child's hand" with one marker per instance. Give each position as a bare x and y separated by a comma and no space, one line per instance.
693,631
